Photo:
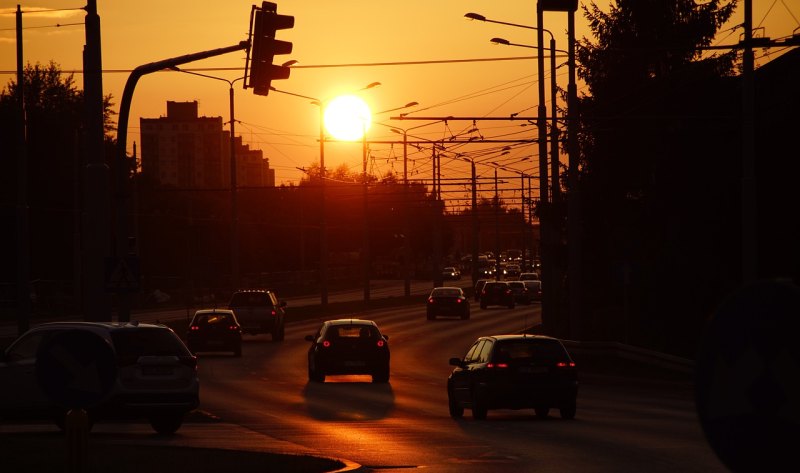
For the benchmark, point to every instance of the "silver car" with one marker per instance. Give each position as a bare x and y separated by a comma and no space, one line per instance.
109,369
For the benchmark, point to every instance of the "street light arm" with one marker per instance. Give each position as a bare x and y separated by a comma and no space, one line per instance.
479,17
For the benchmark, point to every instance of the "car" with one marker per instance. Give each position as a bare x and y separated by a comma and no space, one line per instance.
529,276
138,370
451,272
497,293
479,287
259,311
447,301
534,290
348,346
214,330
516,371
521,293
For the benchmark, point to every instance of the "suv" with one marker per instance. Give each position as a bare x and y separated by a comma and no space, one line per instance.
497,293
110,369
214,330
259,311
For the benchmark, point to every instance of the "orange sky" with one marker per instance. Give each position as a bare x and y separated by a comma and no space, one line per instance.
330,33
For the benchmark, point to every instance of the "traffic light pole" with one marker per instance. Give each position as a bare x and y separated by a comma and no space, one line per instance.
121,163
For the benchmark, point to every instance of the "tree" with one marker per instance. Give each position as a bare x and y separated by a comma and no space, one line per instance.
648,182
54,116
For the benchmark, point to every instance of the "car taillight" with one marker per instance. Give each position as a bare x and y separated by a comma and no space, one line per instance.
233,327
459,300
565,364
274,312
194,327
326,344
431,300
508,291
381,343
496,365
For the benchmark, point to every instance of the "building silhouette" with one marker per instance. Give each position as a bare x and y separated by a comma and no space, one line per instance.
187,151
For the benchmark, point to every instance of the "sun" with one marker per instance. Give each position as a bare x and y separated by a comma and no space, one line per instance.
347,118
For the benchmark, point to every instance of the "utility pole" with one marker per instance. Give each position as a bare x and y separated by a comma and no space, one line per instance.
23,223
749,206
97,209
475,229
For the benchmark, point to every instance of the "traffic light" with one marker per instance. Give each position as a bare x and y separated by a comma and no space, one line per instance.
264,47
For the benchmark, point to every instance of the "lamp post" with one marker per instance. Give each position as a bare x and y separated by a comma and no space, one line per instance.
235,276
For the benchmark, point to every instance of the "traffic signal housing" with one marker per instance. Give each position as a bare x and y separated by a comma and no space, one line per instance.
264,47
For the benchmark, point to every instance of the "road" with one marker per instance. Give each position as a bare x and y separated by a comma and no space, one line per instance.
621,425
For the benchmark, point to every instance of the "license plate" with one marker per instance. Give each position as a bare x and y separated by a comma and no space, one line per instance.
533,369
354,363
157,370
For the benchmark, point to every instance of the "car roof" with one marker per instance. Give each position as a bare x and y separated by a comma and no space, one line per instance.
99,325
520,336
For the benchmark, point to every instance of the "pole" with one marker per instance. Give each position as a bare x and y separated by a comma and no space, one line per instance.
23,230
522,213
323,224
554,157
437,223
574,223
475,230
365,254
544,217
749,208
97,208
406,221
498,274
234,201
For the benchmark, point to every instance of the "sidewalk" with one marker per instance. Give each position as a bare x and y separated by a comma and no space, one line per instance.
134,448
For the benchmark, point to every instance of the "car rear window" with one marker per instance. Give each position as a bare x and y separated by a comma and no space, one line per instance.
133,343
245,299
530,350
446,293
213,319
353,331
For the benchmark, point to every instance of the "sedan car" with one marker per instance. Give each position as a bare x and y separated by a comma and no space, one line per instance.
137,370
497,293
479,288
513,372
214,330
534,290
447,301
348,346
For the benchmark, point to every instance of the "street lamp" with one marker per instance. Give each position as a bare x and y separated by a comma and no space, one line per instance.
234,202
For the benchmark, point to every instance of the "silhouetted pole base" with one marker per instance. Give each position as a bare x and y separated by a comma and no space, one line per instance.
77,430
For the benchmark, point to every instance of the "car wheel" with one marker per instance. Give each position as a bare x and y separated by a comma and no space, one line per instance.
479,409
483,306
431,316
278,333
465,315
314,375
166,424
60,419
542,412
381,376
568,412
456,411
237,351
511,306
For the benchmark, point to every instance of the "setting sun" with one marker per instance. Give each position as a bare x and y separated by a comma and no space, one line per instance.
347,117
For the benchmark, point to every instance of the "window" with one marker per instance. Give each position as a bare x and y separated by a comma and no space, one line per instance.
483,357
473,352
26,348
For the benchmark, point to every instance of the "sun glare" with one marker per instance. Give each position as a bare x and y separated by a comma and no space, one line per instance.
347,118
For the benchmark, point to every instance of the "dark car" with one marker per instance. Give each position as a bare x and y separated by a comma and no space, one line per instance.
534,290
447,301
348,346
497,293
134,370
451,272
259,311
214,330
479,287
529,276
521,293
513,372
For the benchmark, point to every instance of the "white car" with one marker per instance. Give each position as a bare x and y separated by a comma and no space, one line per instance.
109,369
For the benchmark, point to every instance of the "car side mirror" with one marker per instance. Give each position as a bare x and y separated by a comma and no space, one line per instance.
456,362
310,338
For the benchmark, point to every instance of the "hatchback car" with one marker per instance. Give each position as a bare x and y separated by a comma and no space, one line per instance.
513,372
447,301
147,371
214,330
348,346
479,287
497,293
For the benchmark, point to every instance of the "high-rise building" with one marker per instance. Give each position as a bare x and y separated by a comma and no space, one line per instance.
184,150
